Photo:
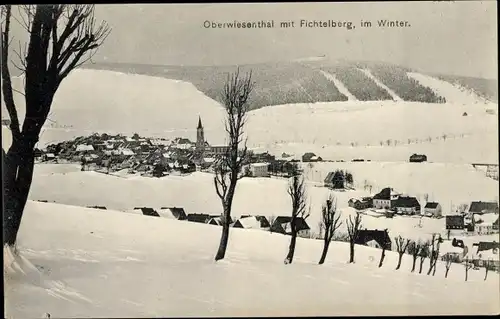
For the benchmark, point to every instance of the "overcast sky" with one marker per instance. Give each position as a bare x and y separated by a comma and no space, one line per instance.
447,37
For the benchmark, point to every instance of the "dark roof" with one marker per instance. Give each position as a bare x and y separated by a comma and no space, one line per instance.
383,194
148,211
418,155
329,177
486,245
199,218
380,236
479,207
299,222
431,205
97,207
406,201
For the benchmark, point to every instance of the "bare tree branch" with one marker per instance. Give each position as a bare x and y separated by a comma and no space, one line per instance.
6,78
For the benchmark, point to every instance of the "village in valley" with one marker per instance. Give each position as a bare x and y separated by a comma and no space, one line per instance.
158,157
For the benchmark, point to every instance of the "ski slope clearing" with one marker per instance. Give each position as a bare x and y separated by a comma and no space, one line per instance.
77,262
342,88
453,93
268,196
394,96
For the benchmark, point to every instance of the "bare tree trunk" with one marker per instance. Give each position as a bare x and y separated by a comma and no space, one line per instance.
414,263
18,174
421,265
226,217
382,256
400,257
291,249
466,273
435,266
221,252
446,273
486,273
325,251
351,252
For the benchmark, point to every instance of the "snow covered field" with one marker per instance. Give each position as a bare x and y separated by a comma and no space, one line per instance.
110,264
155,106
268,196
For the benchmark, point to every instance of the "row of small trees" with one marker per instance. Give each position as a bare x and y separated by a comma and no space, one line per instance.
410,141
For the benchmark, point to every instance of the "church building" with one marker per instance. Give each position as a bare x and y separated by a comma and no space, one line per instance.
202,148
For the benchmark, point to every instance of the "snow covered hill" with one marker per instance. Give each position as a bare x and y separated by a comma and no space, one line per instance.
77,262
104,101
452,92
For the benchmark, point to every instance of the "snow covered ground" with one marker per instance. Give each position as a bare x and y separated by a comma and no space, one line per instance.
446,184
78,262
155,106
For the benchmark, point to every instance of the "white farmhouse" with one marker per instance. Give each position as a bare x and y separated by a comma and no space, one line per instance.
433,209
259,169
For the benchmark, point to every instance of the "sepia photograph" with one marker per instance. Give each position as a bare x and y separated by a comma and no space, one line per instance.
250,159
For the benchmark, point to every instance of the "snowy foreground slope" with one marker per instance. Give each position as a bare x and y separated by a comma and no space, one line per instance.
104,101
268,196
81,262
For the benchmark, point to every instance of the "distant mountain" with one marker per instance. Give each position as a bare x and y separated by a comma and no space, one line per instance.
309,80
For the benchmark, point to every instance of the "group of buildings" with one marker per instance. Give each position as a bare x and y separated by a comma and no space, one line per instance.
280,224
393,202
480,218
158,157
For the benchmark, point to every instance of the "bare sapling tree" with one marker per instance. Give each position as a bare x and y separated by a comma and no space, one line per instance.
353,226
235,96
401,246
413,250
434,253
487,267
438,245
468,265
330,222
424,253
297,193
382,255
61,38
448,259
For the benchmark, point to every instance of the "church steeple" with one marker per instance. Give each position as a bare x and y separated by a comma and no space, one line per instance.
200,139
200,126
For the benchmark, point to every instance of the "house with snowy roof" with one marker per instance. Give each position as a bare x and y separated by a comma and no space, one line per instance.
282,225
406,205
433,209
84,148
479,207
385,198
311,157
147,211
172,213
252,222
374,238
